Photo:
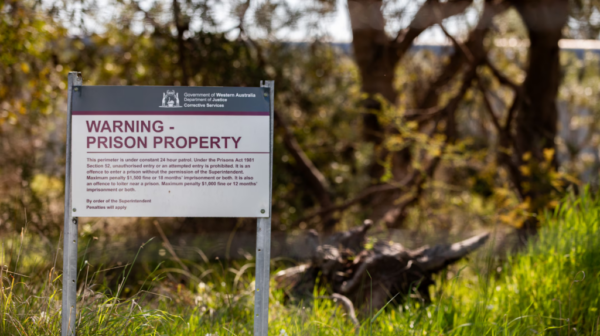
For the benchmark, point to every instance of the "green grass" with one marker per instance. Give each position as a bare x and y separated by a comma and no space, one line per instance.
550,288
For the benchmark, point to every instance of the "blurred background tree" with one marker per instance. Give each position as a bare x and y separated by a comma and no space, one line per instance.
490,126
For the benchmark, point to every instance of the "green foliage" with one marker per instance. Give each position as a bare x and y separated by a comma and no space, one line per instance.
551,286
28,77
31,80
318,95
317,87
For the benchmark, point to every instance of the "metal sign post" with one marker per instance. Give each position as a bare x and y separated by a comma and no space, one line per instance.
263,249
151,151
69,294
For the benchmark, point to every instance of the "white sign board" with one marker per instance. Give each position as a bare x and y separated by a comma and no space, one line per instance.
171,152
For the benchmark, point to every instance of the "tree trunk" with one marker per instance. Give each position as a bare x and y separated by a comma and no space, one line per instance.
376,62
536,119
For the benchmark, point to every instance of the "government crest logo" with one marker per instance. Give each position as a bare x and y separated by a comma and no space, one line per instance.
170,99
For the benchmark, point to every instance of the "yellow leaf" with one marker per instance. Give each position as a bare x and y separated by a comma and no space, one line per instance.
525,204
435,152
439,137
548,154
572,179
525,170
507,218
512,219
519,223
25,67
526,156
558,184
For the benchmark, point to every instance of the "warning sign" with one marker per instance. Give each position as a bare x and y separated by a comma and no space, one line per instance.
171,152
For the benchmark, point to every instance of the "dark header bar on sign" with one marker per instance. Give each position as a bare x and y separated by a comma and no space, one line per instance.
169,100
178,113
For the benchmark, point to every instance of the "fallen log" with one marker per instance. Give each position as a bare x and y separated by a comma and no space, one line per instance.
370,278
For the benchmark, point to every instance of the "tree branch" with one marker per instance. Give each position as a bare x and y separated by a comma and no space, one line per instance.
474,45
316,180
181,28
432,12
422,115
506,141
500,76
361,196
399,212
489,107
463,49
471,52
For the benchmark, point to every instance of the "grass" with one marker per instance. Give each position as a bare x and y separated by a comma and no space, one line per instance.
550,288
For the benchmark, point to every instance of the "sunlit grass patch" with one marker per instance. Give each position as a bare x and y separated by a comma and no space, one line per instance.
550,287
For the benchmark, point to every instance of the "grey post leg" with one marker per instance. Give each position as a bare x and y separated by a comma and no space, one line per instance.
263,247
69,294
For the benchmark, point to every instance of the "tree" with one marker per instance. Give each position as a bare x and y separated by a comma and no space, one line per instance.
527,136
535,104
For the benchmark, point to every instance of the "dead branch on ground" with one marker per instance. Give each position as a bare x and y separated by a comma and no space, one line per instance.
370,277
